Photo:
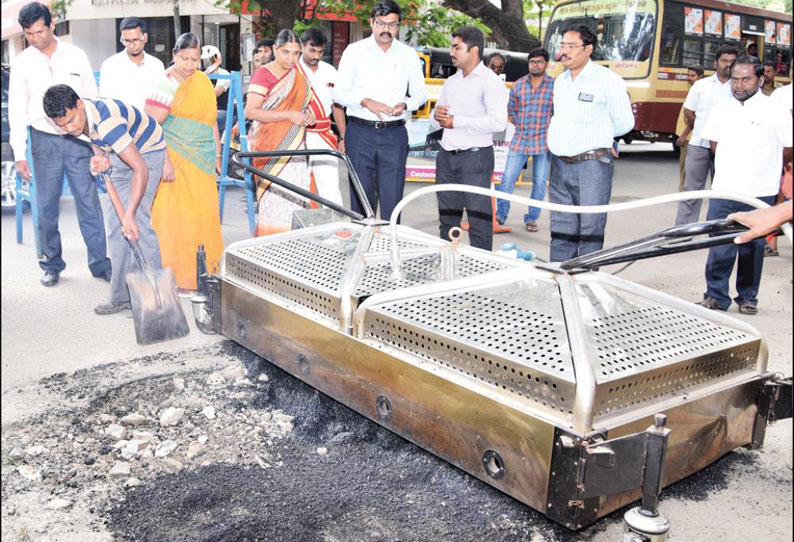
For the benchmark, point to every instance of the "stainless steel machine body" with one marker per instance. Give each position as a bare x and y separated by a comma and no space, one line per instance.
539,382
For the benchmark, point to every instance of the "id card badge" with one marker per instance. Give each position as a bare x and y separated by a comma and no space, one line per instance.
586,97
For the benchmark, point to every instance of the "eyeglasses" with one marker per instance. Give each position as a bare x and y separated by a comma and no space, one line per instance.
383,24
569,46
536,62
133,41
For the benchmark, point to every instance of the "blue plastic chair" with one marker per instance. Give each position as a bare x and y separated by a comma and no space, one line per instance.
224,180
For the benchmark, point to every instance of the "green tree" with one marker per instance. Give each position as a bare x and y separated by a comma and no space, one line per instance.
777,5
507,23
428,22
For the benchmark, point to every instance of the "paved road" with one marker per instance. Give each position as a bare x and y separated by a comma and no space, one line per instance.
48,331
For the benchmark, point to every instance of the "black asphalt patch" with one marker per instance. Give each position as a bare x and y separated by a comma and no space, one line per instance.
371,485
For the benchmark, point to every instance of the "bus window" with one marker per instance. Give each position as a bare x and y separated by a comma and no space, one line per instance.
693,53
782,61
625,29
710,53
671,45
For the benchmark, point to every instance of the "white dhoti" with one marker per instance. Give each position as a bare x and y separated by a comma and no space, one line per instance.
324,168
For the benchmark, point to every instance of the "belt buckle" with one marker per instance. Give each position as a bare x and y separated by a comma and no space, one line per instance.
380,124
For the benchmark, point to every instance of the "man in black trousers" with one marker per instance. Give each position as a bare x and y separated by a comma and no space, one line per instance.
380,81
472,106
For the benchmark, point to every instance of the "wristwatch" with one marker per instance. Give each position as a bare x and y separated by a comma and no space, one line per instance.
341,138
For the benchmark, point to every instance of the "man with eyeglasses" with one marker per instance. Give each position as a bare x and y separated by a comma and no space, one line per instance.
127,75
591,108
380,81
471,108
48,61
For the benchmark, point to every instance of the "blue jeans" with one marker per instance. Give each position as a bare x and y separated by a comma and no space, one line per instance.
719,264
52,156
583,183
513,167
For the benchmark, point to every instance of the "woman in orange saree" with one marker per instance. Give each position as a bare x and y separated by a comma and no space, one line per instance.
185,212
278,102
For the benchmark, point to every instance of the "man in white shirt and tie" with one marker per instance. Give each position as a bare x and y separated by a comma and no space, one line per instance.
45,62
472,106
322,77
127,75
380,81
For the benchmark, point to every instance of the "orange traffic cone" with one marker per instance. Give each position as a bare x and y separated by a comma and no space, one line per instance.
497,228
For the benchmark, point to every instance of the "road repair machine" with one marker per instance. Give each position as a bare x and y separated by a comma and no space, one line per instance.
574,391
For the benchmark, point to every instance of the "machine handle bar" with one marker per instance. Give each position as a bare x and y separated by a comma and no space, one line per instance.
369,214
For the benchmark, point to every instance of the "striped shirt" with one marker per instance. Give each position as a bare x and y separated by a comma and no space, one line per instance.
589,111
113,125
530,111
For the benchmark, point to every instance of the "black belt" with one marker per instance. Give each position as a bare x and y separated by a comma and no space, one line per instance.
598,154
466,151
378,123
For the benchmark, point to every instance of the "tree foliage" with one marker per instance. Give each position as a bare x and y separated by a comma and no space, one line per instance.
509,29
427,21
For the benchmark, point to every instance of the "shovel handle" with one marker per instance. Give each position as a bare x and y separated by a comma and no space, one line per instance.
120,212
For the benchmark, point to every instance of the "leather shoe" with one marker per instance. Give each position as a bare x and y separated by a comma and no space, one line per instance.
112,308
50,278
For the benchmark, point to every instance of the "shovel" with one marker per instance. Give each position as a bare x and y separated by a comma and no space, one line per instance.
156,309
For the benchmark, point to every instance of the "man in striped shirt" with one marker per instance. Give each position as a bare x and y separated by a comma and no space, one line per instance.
529,109
591,108
130,142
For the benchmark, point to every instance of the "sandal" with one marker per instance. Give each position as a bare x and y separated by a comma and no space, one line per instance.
531,227
710,303
747,308
769,251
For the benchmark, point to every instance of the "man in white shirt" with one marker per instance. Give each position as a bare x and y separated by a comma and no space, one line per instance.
783,94
591,108
751,136
380,81
127,75
46,62
472,106
322,76
702,97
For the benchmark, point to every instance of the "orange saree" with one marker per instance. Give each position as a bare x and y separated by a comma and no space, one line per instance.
275,205
185,212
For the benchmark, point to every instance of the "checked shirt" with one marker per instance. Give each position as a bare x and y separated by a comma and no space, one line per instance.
531,112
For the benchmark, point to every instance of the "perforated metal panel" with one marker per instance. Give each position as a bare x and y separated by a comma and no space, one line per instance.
644,352
512,337
304,270
309,270
419,270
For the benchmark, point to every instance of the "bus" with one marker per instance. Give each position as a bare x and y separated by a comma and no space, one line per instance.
650,43
423,145
437,66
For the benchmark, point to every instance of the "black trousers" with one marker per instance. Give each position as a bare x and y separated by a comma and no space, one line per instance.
473,169
378,155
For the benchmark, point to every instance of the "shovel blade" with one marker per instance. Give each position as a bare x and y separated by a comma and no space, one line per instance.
156,309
